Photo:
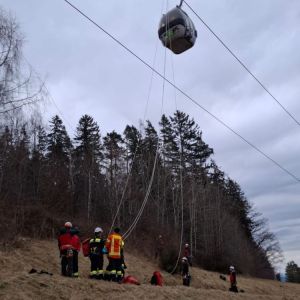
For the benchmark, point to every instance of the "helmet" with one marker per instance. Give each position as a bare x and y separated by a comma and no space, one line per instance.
117,230
231,268
68,225
186,245
184,258
98,230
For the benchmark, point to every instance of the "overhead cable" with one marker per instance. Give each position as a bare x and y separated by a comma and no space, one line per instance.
183,92
243,65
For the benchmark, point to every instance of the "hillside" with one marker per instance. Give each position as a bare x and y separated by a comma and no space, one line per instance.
16,283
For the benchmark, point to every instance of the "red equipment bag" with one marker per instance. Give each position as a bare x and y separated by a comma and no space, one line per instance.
86,247
131,280
157,279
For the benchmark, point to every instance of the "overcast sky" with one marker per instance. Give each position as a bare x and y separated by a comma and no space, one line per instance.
88,73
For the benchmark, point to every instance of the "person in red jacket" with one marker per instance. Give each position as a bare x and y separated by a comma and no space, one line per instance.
187,253
68,239
114,246
232,279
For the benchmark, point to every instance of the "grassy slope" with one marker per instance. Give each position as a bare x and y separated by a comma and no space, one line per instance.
16,283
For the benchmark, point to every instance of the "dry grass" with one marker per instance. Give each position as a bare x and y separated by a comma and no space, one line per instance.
16,283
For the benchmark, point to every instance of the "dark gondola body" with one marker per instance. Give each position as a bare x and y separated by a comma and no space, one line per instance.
177,31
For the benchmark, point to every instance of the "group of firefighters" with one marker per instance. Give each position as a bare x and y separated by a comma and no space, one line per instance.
97,247
113,246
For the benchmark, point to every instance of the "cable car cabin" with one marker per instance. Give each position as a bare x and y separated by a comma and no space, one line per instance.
177,31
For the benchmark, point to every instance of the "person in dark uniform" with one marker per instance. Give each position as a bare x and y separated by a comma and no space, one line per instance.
96,254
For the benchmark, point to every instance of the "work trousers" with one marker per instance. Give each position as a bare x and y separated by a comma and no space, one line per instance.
114,269
96,265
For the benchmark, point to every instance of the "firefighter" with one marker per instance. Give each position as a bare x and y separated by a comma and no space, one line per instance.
186,277
68,239
187,253
96,254
114,245
232,279
76,244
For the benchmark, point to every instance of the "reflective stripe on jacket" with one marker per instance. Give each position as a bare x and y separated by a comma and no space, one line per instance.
96,246
114,245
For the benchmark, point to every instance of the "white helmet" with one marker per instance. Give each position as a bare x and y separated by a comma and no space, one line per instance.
186,245
231,268
68,225
184,258
98,230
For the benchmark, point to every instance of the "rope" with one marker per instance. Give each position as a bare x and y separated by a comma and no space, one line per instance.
185,94
133,225
180,173
138,145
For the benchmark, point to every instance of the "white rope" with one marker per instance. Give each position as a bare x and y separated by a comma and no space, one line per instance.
137,218
181,167
138,145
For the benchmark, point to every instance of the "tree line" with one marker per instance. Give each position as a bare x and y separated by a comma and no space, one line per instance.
47,177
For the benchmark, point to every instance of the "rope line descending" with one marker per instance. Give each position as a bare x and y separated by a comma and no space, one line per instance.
138,145
180,159
137,218
185,94
243,65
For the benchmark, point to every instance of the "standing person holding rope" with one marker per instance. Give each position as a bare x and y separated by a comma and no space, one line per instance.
114,245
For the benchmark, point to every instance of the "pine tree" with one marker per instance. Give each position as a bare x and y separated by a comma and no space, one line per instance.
59,148
170,149
87,159
59,144
113,153
194,152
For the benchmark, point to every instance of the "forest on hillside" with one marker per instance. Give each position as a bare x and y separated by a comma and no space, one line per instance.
48,177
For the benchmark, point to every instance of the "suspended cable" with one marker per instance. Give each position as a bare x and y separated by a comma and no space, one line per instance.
184,93
133,225
243,64
181,167
138,145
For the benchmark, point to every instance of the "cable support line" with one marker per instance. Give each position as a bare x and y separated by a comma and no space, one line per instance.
138,145
243,65
185,94
180,156
133,225
137,218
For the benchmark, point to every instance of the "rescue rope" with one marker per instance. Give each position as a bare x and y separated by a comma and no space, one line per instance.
181,166
138,145
134,223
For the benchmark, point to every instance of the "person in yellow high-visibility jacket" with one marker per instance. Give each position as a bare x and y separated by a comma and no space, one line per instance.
114,245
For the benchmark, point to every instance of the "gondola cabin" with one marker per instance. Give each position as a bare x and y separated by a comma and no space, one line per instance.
177,31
